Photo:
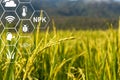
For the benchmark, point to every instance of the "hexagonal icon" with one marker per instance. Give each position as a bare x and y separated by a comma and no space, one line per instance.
25,10
10,37
10,4
10,19
25,44
1,28
10,54
41,19
25,0
25,27
1,10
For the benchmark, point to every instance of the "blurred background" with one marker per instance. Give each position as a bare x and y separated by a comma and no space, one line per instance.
81,14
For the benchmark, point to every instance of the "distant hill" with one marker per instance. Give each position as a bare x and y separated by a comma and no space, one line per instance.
80,14
79,8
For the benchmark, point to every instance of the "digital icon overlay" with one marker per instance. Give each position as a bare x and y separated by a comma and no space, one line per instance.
9,3
24,11
18,20
10,19
9,55
25,28
40,17
9,36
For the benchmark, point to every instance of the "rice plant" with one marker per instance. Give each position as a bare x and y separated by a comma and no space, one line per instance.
63,55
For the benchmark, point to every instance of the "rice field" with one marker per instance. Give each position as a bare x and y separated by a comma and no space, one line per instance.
64,55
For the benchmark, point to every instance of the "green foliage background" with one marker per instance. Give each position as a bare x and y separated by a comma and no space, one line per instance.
65,55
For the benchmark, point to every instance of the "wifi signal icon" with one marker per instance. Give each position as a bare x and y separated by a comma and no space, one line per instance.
10,19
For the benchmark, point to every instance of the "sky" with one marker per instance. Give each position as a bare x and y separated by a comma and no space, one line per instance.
102,0
116,0
87,1
97,0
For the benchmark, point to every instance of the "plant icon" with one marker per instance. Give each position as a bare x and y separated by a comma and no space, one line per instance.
10,55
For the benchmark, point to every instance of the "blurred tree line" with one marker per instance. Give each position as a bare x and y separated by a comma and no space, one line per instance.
84,23
77,15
